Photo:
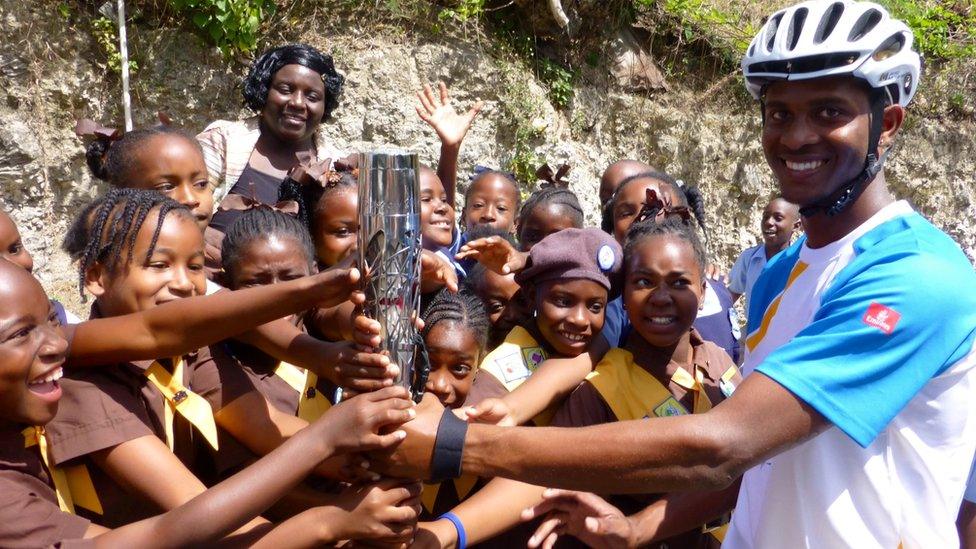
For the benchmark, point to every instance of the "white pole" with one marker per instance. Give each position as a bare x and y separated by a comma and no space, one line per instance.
124,51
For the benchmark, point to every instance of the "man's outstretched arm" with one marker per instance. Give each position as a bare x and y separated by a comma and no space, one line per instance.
703,451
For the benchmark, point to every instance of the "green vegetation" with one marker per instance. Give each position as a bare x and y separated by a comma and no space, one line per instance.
232,24
943,29
558,81
463,11
105,31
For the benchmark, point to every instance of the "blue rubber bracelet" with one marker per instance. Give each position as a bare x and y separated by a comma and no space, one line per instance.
462,541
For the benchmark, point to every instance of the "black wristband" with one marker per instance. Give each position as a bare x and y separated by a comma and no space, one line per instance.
448,447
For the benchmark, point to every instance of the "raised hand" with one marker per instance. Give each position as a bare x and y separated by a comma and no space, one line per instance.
491,410
495,253
586,516
355,425
450,126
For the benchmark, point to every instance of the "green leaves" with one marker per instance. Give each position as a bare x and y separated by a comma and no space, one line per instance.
233,25
944,30
105,31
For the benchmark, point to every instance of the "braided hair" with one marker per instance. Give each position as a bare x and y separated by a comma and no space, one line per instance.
258,81
669,226
258,223
686,195
558,196
109,226
112,161
310,197
464,308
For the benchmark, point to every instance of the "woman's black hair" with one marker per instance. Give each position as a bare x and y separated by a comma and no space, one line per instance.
669,226
310,195
261,222
557,196
109,226
258,81
481,172
111,161
463,307
687,196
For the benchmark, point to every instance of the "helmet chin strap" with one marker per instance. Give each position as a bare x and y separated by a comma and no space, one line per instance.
848,193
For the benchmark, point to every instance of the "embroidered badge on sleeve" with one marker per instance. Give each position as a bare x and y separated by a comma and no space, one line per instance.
881,317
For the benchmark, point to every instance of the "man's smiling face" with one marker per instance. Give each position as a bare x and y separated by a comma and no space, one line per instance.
815,136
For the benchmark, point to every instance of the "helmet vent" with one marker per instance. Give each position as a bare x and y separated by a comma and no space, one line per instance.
828,22
864,25
889,47
796,27
771,29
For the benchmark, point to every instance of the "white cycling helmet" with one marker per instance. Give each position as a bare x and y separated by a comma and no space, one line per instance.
822,38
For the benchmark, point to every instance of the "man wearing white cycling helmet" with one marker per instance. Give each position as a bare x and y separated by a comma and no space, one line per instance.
856,425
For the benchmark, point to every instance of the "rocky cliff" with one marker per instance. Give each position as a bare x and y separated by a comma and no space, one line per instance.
52,71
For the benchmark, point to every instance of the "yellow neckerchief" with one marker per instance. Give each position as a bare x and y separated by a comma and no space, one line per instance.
73,484
193,407
311,402
633,393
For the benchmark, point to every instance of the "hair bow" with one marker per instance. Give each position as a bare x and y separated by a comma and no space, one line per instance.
654,206
311,172
553,179
239,202
87,127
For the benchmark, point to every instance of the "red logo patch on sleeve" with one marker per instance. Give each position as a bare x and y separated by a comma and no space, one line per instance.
882,318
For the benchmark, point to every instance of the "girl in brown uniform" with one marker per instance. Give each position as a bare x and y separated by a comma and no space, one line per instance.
33,511
665,369
118,424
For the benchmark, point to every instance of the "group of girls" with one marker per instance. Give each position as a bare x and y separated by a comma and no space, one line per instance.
222,333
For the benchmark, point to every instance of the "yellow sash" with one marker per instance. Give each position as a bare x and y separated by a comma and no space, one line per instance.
515,359
632,393
512,362
72,485
462,486
311,402
193,407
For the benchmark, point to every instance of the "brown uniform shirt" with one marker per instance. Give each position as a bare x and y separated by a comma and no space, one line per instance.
104,407
586,406
29,512
260,371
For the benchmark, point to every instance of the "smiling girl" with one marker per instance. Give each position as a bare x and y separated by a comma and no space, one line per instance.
36,510
665,370
567,281
143,251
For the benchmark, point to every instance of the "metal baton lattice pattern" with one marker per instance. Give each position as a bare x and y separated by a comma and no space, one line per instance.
390,248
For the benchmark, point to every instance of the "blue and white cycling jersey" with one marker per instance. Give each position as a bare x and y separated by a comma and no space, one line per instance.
876,333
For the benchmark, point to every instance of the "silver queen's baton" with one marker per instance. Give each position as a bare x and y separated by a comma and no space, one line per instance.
389,249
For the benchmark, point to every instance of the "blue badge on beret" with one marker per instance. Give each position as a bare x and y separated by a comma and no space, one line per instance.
605,257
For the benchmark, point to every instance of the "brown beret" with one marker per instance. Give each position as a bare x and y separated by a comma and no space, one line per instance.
573,253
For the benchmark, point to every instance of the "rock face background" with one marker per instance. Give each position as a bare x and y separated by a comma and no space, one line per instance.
52,72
